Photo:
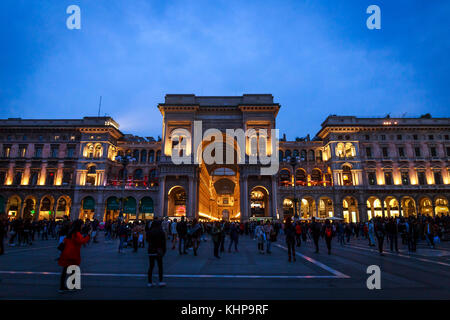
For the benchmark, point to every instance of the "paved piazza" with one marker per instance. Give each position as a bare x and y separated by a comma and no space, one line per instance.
32,273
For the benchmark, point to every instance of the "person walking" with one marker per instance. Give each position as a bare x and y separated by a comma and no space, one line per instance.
70,255
340,232
315,231
268,232
289,231
156,239
371,233
195,232
429,232
328,234
234,237
182,235
298,233
122,234
135,234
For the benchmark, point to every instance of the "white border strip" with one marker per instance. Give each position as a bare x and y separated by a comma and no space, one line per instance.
336,273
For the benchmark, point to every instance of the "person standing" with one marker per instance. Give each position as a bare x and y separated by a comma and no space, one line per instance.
340,232
315,231
195,233
122,234
380,232
71,253
429,232
135,236
289,231
371,233
182,235
215,234
268,232
173,231
392,232
260,237
298,233
328,234
234,237
156,239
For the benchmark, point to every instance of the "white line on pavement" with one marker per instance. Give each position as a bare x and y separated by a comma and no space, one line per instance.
140,275
402,255
336,273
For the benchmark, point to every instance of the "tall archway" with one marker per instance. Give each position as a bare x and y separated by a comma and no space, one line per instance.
350,209
307,207
326,207
300,177
177,202
13,207
288,208
29,207
392,207
46,208
425,206
112,208
129,209
441,206
285,178
408,206
316,177
374,207
87,208
146,209
63,205
259,202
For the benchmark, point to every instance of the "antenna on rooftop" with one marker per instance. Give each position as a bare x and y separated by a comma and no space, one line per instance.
99,106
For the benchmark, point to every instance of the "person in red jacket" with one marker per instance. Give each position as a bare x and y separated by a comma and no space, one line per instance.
71,252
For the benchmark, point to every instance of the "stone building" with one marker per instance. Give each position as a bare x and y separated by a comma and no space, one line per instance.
354,168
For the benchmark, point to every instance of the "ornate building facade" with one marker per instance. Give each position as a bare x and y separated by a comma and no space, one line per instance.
354,168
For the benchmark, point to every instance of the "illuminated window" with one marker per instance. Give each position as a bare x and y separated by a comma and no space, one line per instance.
388,178
405,178
372,178
437,177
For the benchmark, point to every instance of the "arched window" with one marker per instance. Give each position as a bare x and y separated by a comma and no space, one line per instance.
136,155
340,150
91,170
151,156
285,177
311,156
296,153
350,151
288,153
316,177
143,156
158,155
89,151
300,177
303,155
98,151
280,155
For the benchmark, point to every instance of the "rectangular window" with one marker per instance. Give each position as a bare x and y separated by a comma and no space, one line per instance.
446,137
33,178
367,137
50,178
401,152
369,152
388,178
421,177
67,177
415,137
2,177
18,178
433,152
38,151
437,177
399,137
54,151
70,151
431,137
7,151
385,152
22,150
417,151
383,137
405,178
371,176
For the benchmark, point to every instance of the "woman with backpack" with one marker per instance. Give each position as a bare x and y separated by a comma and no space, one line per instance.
71,248
328,233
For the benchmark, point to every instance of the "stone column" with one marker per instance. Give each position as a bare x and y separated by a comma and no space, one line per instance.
162,192
362,211
274,198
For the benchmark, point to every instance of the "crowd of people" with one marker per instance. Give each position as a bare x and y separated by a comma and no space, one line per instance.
182,235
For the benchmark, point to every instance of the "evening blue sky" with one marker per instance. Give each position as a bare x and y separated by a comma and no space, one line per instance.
316,57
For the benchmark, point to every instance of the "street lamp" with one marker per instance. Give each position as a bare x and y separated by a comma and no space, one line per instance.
294,162
124,161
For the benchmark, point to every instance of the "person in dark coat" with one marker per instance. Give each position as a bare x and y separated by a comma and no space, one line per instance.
71,252
380,232
315,232
289,231
392,232
182,235
156,239
234,237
